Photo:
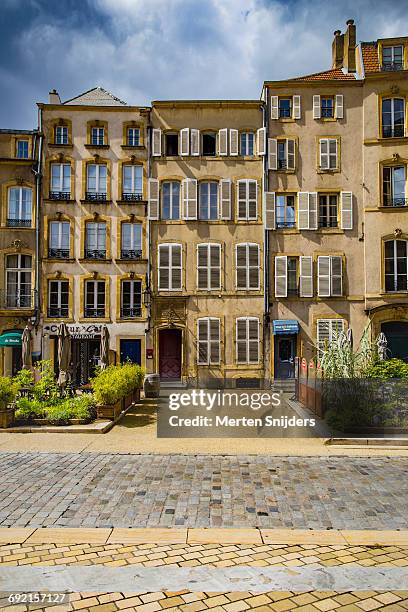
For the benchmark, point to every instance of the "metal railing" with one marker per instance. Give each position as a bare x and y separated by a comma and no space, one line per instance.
57,313
132,197
127,312
94,313
397,202
389,131
18,222
285,224
58,253
392,66
93,196
131,254
95,254
60,195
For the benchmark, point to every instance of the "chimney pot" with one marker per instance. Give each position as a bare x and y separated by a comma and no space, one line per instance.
350,22
53,97
337,32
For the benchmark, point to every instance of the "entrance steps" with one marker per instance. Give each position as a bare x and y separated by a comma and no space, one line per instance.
287,385
172,384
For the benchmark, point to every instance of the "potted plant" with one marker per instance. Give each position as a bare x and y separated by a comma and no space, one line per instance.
108,389
8,392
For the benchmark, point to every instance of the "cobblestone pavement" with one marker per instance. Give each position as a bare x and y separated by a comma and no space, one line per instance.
105,490
183,555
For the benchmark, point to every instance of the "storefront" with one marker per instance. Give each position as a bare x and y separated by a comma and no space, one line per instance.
285,333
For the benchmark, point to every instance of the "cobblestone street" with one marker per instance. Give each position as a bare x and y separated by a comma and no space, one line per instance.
105,490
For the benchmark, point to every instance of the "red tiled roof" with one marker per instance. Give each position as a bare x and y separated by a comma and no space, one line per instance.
335,74
370,57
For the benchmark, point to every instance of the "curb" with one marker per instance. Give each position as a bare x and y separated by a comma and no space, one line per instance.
367,442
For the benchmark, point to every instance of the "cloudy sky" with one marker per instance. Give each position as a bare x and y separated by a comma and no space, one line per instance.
142,50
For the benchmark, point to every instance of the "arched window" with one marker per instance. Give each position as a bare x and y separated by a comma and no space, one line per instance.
395,254
18,281
19,207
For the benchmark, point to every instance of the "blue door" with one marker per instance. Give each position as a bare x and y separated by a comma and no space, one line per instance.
131,350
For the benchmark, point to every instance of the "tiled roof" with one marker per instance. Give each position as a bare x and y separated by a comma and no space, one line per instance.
335,74
96,97
370,57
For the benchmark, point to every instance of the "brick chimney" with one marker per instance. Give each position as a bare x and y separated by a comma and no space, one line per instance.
337,49
349,51
53,97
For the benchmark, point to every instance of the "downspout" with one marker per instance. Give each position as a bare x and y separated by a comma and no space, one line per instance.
265,186
38,179
148,232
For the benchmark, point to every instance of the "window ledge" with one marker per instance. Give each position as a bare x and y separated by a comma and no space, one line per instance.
133,147
387,140
287,230
399,293
55,145
97,146
95,201
69,319
132,202
92,320
328,171
142,260
283,171
330,230
131,319
397,209
60,259
52,201
96,261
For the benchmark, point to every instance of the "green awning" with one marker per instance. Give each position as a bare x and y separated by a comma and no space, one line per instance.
11,338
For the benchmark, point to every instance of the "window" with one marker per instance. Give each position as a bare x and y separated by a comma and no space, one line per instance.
170,267
393,117
393,58
329,276
19,207
60,181
247,266
61,135
292,273
293,276
285,211
58,246
18,281
285,107
328,154
96,183
172,144
209,266
94,299
247,335
281,154
327,107
209,144
97,136
328,206
22,149
394,186
132,183
133,137
131,299
58,298
396,278
131,241
247,143
95,240
247,190
208,201
170,200
327,331
208,341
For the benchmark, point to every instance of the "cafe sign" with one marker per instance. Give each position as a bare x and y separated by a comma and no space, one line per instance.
76,330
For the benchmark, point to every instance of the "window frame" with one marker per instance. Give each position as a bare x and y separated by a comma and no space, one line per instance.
100,236
247,340
391,168
171,246
59,246
247,267
97,136
134,180
63,139
26,148
209,268
392,126
285,224
248,200
63,309
209,205
330,322
20,220
128,138
244,143
329,140
171,204
98,179
98,310
19,271
136,253
135,309
61,178
395,260
328,206
208,342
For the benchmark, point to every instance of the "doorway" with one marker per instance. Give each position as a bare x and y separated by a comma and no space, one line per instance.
85,356
396,333
131,351
170,354
284,362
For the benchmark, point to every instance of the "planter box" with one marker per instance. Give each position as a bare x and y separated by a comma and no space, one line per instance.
136,396
6,417
109,411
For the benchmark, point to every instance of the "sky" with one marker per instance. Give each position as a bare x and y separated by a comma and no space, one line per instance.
144,50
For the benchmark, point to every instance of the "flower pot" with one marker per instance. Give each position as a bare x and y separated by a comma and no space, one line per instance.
6,416
109,411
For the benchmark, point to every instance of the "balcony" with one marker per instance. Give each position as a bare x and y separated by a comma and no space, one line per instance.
58,253
128,312
94,313
96,196
18,222
390,66
60,195
395,202
95,254
132,197
17,299
58,313
396,131
131,254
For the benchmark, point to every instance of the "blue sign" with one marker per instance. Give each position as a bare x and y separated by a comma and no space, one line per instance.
287,326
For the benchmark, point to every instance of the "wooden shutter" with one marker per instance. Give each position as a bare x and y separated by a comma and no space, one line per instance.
175,267
242,199
214,340
225,199
184,141
274,107
194,142
223,141
241,340
336,275
153,198
156,142
296,107
316,107
303,210
189,193
339,108
290,154
323,276
333,148
202,266
253,266
269,210
241,266
252,199
346,210
253,340
164,266
214,257
273,154
261,141
281,276
313,212
233,134
203,353
306,276
324,153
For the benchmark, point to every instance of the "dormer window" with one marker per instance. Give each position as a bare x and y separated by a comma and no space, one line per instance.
22,149
61,135
393,58
97,136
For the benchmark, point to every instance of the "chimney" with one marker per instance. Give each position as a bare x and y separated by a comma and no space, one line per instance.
53,97
337,49
349,51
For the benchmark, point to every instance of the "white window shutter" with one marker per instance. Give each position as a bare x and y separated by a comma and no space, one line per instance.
153,198
313,212
253,267
223,141
323,333
261,141
281,277
303,210
324,153
296,107
269,210
339,108
336,275
189,191
241,266
273,154
346,210
290,154
176,258
252,203
156,142
164,266
316,107
203,353
242,190
225,199
202,266
233,134
194,142
215,266
184,141
274,107
214,340
323,276
306,276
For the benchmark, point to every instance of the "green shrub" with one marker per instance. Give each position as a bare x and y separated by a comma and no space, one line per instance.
115,382
24,378
84,407
28,409
46,387
60,414
8,391
390,368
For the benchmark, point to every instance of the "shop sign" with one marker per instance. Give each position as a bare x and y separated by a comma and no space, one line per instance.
77,331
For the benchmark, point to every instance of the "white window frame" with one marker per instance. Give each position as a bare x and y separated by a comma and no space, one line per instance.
97,136
171,196
247,340
61,134
100,236
333,333
21,216
136,232
59,304
26,146
247,216
170,267
208,202
95,306
133,283
208,267
130,136
20,271
133,179
328,154
98,178
246,137
395,264
59,238
246,268
208,342
60,185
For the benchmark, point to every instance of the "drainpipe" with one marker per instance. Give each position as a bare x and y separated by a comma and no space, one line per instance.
37,169
148,236
265,186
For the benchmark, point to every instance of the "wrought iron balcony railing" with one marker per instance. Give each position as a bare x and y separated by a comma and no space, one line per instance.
19,222
132,197
94,313
285,224
17,299
397,202
55,312
127,312
95,254
131,253
58,253
392,66
395,131
96,196
60,195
